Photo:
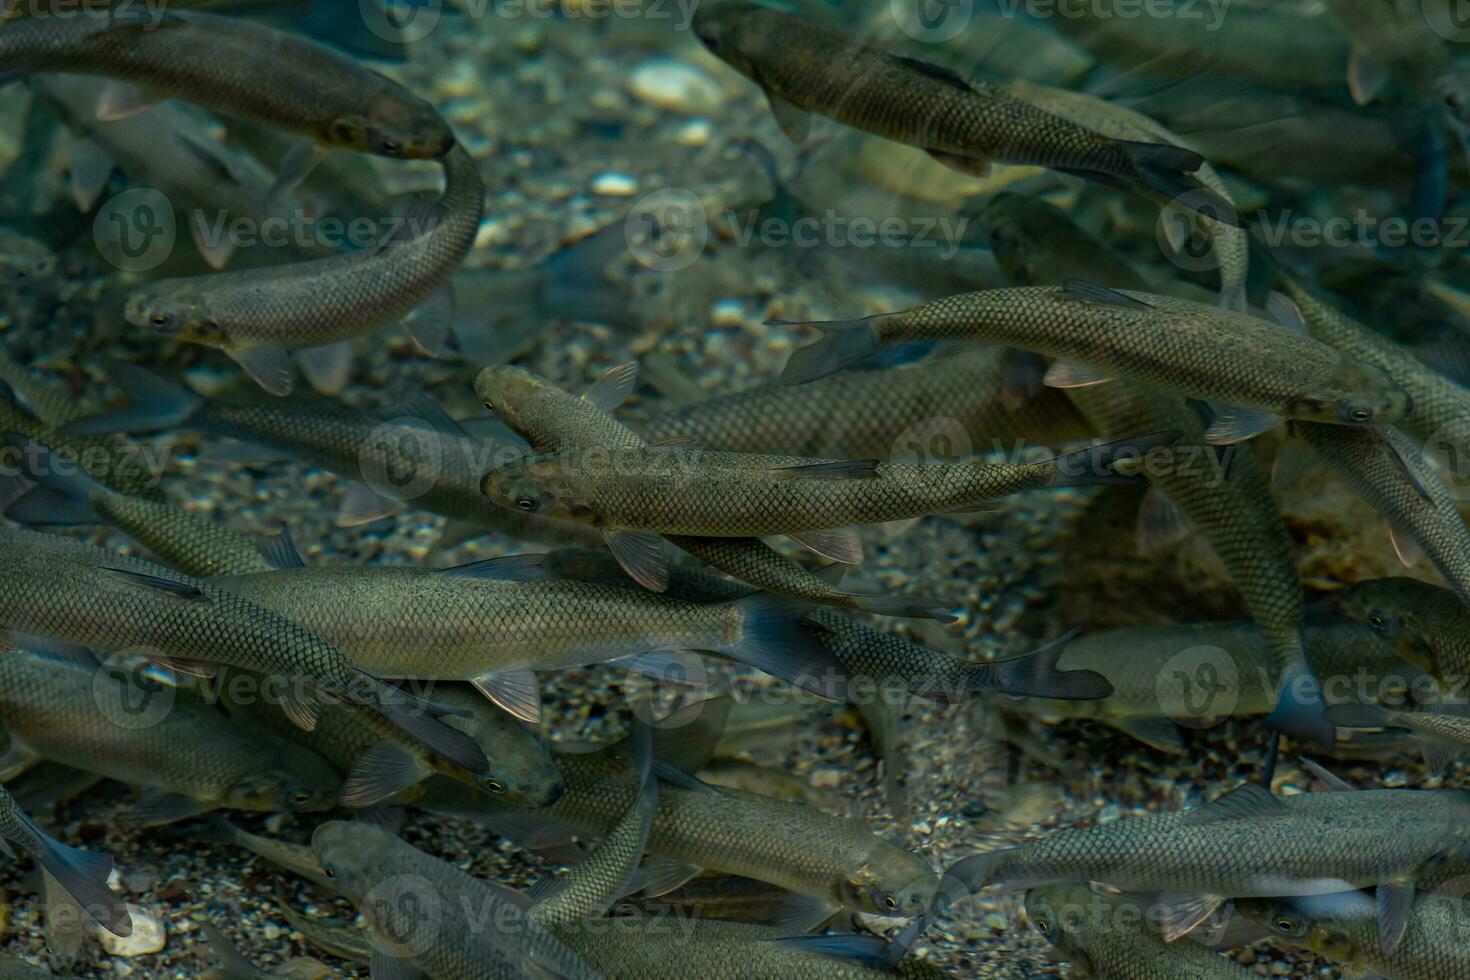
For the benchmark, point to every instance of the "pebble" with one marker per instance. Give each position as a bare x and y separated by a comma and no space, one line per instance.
826,778
671,84
148,935
614,185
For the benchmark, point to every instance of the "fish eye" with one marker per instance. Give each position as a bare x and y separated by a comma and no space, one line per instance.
329,871
1362,414
890,903
392,147
495,786
1043,926
525,503
301,797
161,319
1377,621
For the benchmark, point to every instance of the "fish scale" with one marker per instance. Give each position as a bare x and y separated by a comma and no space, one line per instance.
1385,468
1214,354
323,301
50,706
827,71
714,494
183,539
230,65
1239,517
1430,625
857,414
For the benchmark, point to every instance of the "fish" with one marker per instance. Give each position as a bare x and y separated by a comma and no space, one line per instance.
836,861
234,66
1110,936
1440,421
882,413
256,315
295,858
611,869
1427,624
1384,467
186,755
1444,736
495,621
864,651
1245,843
553,420
1229,242
84,595
806,67
81,874
67,496
1344,929
434,916
408,453
1037,243
234,966
1167,676
627,492
1259,370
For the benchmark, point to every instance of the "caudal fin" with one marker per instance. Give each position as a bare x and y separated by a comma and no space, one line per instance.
1120,461
773,640
843,344
420,719
158,404
967,876
83,875
1033,675
1300,711
905,605
1359,715
61,497
1169,170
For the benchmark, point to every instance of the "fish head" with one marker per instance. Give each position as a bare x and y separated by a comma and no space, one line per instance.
514,394
394,126
1321,923
296,781
24,261
547,483
348,853
893,882
1453,89
1383,605
1367,396
1005,219
175,309
1060,913
722,29
522,772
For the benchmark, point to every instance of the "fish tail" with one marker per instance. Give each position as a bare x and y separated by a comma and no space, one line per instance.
231,963
420,719
61,495
1120,461
773,640
1033,675
1233,297
843,344
903,605
967,876
1300,710
157,404
1169,170
83,875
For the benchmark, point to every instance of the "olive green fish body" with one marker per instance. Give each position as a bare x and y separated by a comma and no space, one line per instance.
237,67
879,414
1223,493
675,948
51,705
812,67
323,301
792,845
1247,843
1037,244
1344,928
1218,355
425,624
192,543
1109,938
1229,242
1386,469
715,494
1430,626
440,919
